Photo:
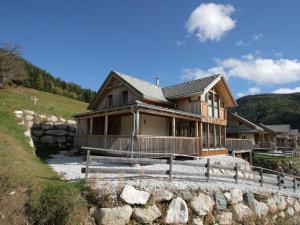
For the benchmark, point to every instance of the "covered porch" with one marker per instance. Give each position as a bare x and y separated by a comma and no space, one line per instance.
147,128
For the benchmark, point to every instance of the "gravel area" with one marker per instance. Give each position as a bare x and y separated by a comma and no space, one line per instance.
69,167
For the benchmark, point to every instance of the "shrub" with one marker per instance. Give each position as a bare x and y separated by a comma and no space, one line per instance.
59,203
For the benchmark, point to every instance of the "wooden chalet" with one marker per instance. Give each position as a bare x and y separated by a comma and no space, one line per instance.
134,115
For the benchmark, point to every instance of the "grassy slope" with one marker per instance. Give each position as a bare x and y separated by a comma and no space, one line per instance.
19,167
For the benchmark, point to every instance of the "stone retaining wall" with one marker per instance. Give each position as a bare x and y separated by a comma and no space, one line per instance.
45,130
134,206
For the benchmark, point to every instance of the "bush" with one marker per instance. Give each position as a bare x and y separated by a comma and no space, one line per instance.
59,203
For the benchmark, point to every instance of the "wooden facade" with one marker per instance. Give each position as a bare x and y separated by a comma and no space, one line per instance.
124,119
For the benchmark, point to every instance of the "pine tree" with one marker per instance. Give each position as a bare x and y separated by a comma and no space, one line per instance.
38,82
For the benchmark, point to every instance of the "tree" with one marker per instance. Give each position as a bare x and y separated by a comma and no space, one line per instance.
12,67
39,82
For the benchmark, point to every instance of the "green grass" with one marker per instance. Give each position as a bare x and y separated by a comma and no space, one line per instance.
19,166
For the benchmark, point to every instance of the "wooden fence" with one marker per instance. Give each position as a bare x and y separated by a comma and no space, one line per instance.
260,175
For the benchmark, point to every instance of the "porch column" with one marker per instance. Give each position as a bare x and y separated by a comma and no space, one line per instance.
91,125
215,136
208,136
196,129
173,126
137,123
106,124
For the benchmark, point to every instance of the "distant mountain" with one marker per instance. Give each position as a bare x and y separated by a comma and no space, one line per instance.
271,108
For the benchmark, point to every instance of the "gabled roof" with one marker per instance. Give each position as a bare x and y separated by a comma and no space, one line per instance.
148,90
242,119
281,128
190,87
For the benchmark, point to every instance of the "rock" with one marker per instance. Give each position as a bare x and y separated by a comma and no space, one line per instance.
272,205
31,143
61,139
48,139
71,122
29,117
71,139
132,196
19,116
236,196
47,126
225,218
197,221
177,212
71,134
221,203
61,126
27,133
29,124
92,211
227,195
280,202
113,216
282,214
146,215
162,195
186,195
290,201
18,112
290,212
56,132
249,199
36,132
62,120
52,119
202,204
42,117
12,193
242,212
71,128
29,112
260,208
297,206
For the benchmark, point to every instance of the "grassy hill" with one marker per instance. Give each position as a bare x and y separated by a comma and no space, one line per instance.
20,169
271,108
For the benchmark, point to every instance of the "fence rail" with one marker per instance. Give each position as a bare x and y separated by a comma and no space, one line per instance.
260,176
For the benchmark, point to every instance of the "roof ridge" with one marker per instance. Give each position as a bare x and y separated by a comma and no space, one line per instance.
186,82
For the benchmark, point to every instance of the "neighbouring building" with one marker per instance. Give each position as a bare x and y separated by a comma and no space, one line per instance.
134,115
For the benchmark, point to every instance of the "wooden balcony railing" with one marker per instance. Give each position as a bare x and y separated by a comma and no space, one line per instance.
233,144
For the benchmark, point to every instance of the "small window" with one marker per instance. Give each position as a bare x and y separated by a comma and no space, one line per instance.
194,98
124,97
110,100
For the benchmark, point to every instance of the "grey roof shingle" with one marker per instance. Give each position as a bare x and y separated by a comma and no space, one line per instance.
282,128
147,89
189,87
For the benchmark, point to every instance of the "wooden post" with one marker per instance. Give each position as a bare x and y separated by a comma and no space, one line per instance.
137,121
294,184
91,125
201,138
236,172
250,157
207,169
196,129
214,126
279,181
171,168
173,126
208,136
261,177
105,130
87,163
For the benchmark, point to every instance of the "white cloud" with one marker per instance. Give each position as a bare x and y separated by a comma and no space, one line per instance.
286,90
255,38
180,43
251,91
211,21
260,70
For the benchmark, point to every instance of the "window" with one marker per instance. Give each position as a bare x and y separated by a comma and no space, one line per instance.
124,97
211,136
216,107
210,104
205,136
110,100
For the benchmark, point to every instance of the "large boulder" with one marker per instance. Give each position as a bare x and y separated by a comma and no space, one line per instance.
186,195
197,221
290,212
56,132
177,213
290,201
61,139
29,112
280,202
202,204
160,195
221,202
297,206
48,139
236,196
271,203
146,215
113,216
29,117
61,126
132,196
242,212
47,126
71,122
260,208
52,119
37,132
225,218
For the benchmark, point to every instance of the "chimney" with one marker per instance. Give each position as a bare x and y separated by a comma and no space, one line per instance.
157,81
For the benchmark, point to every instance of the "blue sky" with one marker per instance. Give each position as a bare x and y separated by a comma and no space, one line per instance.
256,44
